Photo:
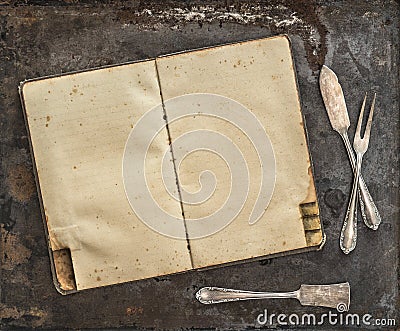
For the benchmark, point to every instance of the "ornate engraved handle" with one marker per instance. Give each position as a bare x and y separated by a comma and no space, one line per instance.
348,236
369,211
210,295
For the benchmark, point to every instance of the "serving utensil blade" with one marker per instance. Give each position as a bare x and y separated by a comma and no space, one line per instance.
334,101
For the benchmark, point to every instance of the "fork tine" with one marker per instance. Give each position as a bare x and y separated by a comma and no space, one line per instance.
357,134
369,123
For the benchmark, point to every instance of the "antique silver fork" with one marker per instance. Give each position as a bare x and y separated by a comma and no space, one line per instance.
348,236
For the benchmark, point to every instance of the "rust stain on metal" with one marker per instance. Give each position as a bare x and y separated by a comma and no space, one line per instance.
28,20
316,49
13,252
21,183
134,310
301,16
36,316
9,312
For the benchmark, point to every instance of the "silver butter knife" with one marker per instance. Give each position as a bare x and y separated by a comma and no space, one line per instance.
337,112
332,295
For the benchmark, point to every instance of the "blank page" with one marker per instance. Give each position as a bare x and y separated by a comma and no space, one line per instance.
79,125
216,87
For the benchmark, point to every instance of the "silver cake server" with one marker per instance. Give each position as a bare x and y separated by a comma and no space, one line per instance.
337,112
332,296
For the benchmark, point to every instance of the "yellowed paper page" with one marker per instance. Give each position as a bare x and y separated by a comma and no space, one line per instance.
214,86
79,126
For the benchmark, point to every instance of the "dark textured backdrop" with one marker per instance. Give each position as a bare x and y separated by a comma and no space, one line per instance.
358,39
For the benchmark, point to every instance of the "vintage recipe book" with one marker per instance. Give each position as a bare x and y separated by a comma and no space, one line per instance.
186,161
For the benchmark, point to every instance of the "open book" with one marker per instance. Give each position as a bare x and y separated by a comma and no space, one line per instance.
181,162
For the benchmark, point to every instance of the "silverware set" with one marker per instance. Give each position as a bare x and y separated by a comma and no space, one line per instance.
335,105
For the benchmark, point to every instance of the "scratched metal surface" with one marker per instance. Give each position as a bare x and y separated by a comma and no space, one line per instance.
359,40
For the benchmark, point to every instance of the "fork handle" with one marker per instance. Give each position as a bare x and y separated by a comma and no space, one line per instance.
369,211
348,236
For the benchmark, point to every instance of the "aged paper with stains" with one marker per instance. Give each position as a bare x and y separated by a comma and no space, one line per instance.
79,125
81,129
259,75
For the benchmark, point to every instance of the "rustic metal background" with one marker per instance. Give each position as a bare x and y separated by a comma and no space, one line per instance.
358,39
